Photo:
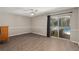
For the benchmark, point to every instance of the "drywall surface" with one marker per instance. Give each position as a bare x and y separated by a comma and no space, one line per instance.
39,25
17,24
75,25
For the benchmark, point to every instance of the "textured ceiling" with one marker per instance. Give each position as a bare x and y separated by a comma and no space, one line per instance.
26,11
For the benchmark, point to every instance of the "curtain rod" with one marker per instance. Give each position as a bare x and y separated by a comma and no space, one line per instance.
60,13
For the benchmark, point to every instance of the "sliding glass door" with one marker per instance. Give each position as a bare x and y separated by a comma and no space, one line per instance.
54,26
60,26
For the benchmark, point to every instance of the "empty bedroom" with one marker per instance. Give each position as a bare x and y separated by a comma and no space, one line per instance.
39,29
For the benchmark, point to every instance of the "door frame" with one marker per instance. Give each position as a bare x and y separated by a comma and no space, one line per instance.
48,23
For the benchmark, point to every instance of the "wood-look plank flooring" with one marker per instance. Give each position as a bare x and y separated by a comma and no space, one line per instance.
33,42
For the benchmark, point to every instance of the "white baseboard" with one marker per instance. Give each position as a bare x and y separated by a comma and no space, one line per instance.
17,34
75,42
40,34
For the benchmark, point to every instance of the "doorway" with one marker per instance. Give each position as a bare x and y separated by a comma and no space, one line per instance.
60,26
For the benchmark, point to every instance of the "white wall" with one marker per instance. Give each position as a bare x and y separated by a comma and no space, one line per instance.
17,24
39,25
74,26
78,26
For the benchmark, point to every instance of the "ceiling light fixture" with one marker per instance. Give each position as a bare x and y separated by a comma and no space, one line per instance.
32,14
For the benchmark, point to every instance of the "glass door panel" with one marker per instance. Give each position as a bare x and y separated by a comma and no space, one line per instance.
64,27
54,26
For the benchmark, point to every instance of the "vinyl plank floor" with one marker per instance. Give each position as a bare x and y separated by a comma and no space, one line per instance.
33,42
